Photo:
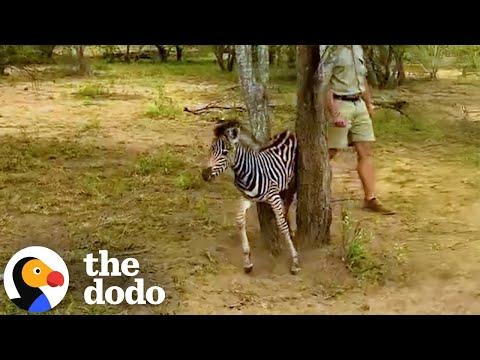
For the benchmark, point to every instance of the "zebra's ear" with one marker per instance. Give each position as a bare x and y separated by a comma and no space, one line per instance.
232,134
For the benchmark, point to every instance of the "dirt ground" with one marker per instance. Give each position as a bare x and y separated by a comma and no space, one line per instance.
81,173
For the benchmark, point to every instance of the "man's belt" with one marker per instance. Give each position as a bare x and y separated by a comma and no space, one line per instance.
347,97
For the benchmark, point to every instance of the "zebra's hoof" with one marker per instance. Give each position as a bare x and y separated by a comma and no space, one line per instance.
248,268
295,269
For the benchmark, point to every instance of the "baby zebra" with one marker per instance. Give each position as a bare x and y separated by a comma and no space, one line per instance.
262,174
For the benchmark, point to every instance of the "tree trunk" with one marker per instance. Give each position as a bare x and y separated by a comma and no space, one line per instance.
83,67
371,74
127,55
253,81
314,213
272,54
179,49
47,50
231,59
162,52
291,56
387,64
400,69
218,51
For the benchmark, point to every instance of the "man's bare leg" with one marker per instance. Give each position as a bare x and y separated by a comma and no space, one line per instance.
332,153
366,173
365,168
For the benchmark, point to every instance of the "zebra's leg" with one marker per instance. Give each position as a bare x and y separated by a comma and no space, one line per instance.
241,223
277,206
292,216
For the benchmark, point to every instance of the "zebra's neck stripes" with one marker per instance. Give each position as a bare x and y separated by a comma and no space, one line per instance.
257,173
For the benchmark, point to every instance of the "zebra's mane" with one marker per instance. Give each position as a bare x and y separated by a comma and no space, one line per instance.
246,138
276,140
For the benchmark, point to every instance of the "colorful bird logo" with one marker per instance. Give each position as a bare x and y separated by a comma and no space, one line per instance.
29,274
33,285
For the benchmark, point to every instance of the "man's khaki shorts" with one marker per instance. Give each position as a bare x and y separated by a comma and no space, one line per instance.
360,126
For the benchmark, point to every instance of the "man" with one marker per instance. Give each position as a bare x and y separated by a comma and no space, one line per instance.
350,107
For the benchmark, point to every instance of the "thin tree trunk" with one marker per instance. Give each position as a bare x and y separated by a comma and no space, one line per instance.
179,49
127,55
291,56
400,69
253,81
218,50
83,67
162,53
369,59
272,54
388,62
314,213
231,59
48,50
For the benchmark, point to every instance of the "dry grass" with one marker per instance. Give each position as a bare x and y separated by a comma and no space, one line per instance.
115,174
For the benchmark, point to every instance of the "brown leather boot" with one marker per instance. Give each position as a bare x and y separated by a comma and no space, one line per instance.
375,206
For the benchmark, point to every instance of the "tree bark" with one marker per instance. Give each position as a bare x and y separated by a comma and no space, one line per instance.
47,50
179,50
127,55
369,62
399,65
314,213
387,64
162,52
253,81
231,59
218,51
83,67
272,54
291,56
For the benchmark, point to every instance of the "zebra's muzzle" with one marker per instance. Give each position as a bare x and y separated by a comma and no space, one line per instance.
207,174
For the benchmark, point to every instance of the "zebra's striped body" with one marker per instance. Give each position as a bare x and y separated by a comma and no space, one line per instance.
273,167
262,174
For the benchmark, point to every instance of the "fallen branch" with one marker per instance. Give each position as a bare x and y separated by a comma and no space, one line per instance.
216,106
212,106
396,105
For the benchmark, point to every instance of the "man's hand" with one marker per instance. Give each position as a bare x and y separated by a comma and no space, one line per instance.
370,109
340,122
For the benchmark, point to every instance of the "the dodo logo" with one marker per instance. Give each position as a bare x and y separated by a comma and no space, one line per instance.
36,279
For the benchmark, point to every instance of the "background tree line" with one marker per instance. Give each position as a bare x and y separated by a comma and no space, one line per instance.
388,65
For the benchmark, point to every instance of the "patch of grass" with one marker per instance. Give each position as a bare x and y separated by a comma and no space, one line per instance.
91,126
164,161
163,106
473,158
91,185
93,91
146,165
391,125
201,207
29,154
101,66
356,255
186,181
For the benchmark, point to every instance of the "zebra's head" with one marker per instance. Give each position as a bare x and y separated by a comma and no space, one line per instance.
222,150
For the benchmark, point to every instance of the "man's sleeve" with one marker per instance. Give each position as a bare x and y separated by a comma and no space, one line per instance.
326,64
